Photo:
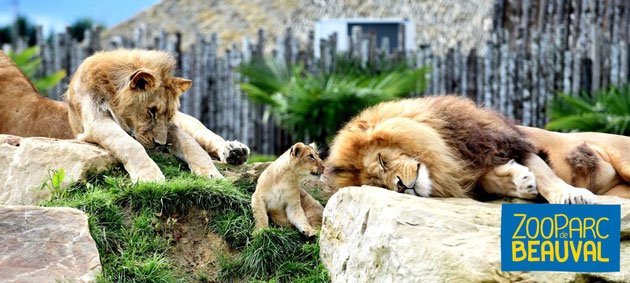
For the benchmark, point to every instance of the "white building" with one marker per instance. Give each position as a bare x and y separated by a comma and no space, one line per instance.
383,27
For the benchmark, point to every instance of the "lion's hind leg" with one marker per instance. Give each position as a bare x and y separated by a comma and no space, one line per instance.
259,211
511,179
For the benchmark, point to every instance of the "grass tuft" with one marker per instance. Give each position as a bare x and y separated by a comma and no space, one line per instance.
126,222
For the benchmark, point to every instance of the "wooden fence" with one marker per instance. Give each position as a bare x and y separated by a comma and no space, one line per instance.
534,49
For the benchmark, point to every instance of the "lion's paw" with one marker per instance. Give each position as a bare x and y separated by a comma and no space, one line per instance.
525,183
234,153
575,196
147,175
309,232
209,172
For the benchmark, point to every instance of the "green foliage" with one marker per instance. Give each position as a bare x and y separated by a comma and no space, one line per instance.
607,111
29,63
280,254
318,104
127,223
255,158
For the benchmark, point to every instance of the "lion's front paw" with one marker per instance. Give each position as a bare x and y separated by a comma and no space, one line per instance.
525,183
206,171
234,153
147,175
576,196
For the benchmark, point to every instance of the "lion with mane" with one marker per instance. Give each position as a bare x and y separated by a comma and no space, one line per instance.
441,146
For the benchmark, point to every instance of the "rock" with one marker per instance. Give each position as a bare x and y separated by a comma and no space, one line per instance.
374,235
46,244
27,163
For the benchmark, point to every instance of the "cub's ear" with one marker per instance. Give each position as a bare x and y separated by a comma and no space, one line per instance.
181,84
382,162
296,149
142,80
313,146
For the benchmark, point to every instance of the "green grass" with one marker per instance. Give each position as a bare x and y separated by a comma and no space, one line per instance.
127,222
261,158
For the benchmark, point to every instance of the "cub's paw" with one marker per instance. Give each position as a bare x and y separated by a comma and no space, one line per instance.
309,232
575,196
525,184
234,153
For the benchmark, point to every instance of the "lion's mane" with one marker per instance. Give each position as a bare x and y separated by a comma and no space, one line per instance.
458,141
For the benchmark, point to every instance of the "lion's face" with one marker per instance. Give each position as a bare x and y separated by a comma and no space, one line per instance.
149,106
305,160
396,171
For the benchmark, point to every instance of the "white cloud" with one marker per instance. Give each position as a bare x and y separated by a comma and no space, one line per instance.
49,23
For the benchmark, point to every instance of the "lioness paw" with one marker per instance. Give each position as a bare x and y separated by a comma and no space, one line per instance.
146,175
206,171
576,196
234,153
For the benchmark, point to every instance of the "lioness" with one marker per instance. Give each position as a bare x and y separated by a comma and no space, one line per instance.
280,191
437,146
123,100
596,161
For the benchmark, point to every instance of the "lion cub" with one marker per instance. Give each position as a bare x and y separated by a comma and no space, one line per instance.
280,193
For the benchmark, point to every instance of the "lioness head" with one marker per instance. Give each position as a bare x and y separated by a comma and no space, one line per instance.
397,171
305,160
147,104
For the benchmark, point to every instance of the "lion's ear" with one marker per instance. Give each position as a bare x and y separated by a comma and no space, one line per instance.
296,149
142,80
181,84
313,145
382,162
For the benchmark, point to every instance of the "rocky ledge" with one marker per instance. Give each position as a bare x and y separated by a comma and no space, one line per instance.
46,244
27,163
374,235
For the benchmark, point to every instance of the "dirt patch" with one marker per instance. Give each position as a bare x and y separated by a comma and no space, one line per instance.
196,249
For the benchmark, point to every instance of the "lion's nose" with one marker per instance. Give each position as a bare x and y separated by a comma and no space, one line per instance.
159,141
402,187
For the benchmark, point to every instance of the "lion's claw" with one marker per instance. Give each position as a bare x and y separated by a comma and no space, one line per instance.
577,196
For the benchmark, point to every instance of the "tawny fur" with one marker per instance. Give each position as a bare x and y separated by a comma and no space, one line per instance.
281,191
23,111
457,141
596,161
111,95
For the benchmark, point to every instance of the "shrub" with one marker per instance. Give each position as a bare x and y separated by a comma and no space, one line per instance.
317,104
29,63
606,110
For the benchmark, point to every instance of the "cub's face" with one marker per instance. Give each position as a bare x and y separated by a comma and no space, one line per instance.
306,161
396,171
149,104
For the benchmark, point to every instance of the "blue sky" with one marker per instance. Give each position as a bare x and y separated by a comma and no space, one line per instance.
55,15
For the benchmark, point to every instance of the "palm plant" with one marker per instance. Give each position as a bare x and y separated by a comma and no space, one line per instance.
29,63
316,105
606,111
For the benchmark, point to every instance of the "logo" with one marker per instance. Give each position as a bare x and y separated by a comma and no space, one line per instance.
555,237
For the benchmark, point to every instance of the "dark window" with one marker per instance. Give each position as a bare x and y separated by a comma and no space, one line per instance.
389,30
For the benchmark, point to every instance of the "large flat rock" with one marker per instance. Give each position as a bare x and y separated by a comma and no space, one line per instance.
375,235
27,163
46,244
